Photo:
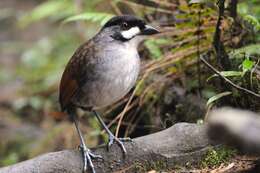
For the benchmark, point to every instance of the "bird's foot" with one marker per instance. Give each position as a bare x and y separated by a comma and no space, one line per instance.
119,141
87,158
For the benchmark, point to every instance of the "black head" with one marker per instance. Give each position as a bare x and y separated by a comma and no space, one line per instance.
127,27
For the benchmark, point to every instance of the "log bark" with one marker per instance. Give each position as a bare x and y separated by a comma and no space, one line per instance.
176,146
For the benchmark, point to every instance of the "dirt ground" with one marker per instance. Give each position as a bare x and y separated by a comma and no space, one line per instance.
238,164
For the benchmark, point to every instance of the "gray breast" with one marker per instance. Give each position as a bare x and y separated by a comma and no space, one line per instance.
113,75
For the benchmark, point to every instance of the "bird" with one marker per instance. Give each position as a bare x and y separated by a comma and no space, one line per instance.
102,71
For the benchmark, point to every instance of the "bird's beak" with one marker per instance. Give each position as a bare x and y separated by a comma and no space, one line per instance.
149,30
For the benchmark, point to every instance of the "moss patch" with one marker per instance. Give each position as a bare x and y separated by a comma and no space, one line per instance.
150,165
215,157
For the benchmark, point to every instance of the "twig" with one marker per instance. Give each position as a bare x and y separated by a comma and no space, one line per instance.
223,168
198,48
126,107
166,4
251,74
136,5
115,7
229,81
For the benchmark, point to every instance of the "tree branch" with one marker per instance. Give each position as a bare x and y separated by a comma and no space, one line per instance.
222,56
233,8
175,146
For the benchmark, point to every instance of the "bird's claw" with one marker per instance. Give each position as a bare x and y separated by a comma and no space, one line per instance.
95,156
87,159
119,141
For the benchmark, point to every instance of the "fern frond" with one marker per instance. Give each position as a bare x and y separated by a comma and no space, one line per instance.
102,18
253,21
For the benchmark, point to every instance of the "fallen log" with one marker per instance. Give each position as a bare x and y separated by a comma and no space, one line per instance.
176,146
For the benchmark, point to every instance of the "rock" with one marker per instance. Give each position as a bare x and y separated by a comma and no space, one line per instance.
239,128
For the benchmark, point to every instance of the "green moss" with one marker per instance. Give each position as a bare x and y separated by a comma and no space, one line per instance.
212,159
150,165
215,157
12,158
13,151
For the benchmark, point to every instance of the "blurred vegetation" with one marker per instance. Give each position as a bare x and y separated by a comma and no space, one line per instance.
215,157
174,85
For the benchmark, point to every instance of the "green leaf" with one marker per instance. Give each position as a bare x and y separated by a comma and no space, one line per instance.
227,74
91,16
153,45
251,19
10,159
247,65
217,97
46,9
249,49
154,49
243,8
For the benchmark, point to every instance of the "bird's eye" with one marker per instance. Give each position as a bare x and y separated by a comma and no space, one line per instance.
124,26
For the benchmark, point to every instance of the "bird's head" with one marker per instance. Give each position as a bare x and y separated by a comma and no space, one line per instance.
128,28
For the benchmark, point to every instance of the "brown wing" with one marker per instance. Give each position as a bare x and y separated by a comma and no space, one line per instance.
70,81
68,87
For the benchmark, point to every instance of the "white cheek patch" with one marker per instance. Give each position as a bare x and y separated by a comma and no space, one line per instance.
131,32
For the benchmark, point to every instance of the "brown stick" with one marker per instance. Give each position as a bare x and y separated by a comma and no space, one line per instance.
233,8
172,147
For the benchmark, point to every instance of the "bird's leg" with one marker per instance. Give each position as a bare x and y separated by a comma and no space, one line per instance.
86,153
112,137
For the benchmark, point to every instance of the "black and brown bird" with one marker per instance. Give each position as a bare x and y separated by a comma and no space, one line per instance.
102,71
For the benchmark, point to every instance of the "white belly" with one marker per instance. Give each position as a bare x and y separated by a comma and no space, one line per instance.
116,76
